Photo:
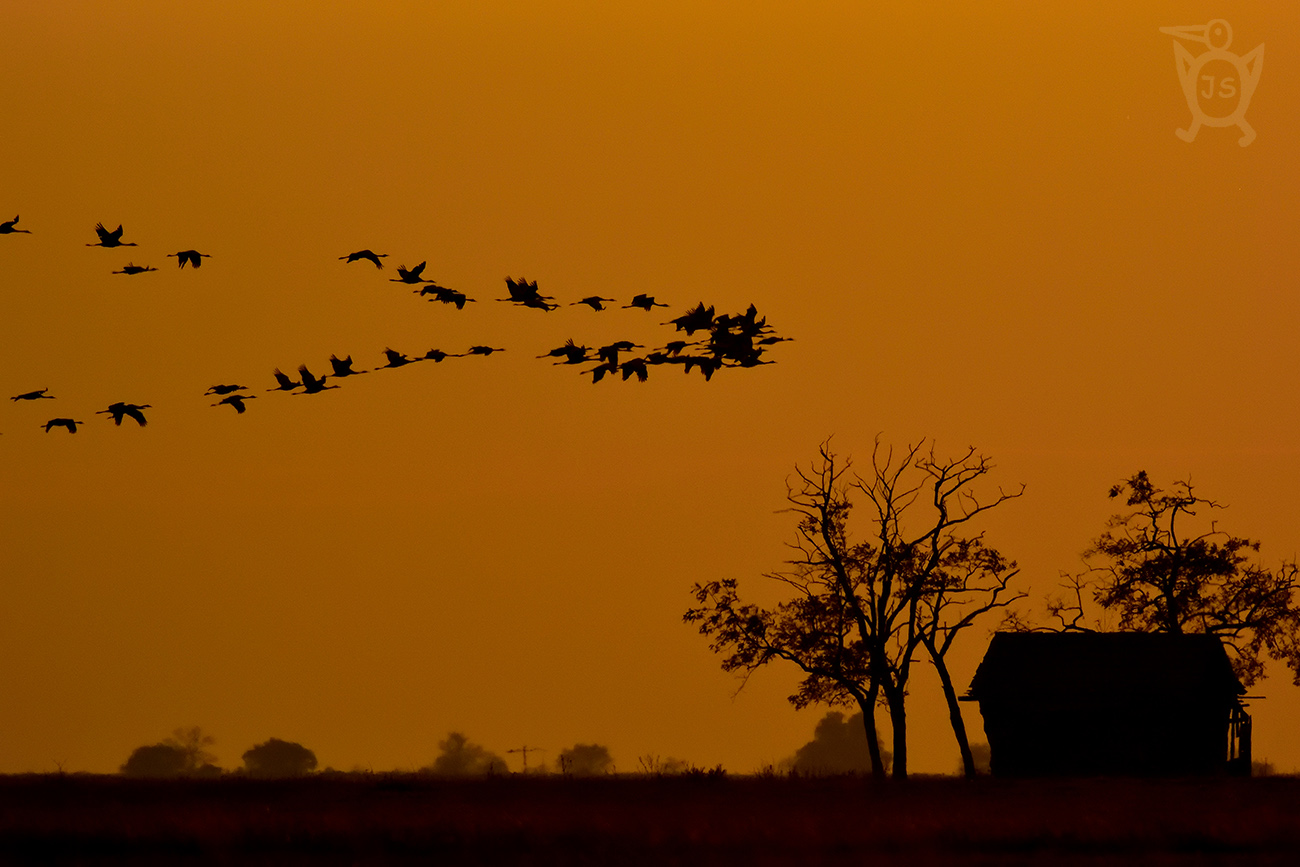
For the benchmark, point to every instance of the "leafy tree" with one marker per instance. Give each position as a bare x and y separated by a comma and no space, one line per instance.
983,754
839,746
183,754
157,760
460,758
1160,575
586,760
859,611
277,758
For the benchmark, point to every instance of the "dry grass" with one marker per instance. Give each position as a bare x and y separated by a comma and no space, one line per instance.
401,819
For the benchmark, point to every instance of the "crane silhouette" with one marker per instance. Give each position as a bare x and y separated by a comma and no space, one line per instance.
609,354
593,301
68,423
110,239
635,366
598,372
445,295
312,384
120,410
39,394
412,275
225,389
189,257
645,302
436,355
706,364
284,382
571,352
697,319
130,268
526,750
483,350
367,255
526,294
10,228
236,400
397,359
343,367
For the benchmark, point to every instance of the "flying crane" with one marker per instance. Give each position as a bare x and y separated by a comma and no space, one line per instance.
9,227
110,239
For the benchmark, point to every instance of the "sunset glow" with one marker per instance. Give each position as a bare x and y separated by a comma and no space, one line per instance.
974,221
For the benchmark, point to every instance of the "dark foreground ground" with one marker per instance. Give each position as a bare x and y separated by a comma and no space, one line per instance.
383,819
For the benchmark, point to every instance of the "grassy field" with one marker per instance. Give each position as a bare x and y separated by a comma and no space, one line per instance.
401,819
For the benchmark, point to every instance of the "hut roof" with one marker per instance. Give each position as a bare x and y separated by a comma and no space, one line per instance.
1057,665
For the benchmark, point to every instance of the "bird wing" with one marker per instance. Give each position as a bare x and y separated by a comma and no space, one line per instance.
104,234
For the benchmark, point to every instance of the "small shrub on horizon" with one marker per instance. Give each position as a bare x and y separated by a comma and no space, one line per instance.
652,765
183,754
586,760
461,758
277,758
155,761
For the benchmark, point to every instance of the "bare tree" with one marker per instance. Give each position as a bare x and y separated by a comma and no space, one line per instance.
860,610
193,745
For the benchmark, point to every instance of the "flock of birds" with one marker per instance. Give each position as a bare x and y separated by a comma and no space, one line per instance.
725,341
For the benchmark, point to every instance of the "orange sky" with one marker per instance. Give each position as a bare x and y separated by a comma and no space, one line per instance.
974,218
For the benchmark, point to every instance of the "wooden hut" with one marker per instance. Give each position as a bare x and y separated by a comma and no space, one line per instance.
1111,703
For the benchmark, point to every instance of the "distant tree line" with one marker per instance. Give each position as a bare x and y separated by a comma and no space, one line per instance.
186,754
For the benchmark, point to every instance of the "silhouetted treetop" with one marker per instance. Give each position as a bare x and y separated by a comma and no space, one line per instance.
1162,566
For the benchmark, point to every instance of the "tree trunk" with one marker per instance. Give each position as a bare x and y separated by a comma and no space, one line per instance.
868,708
954,711
898,719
